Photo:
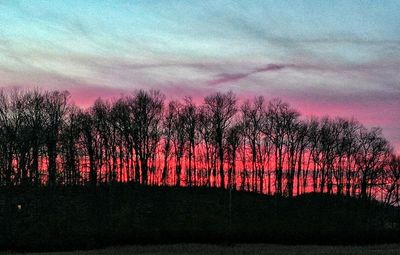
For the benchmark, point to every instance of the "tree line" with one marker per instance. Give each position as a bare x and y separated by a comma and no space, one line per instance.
257,145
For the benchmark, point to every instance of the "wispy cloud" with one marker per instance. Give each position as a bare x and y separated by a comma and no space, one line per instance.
342,60
232,77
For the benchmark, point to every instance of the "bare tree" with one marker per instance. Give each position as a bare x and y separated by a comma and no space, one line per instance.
222,107
371,158
9,123
70,146
168,130
86,123
147,109
391,181
205,131
281,117
234,134
189,113
55,109
179,139
254,123
35,119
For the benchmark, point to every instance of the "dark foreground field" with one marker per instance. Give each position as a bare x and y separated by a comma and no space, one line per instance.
71,218
266,249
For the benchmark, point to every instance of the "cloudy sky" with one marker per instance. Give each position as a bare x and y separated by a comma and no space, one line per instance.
338,58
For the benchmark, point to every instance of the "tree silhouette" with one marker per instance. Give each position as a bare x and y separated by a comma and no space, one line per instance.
221,108
258,145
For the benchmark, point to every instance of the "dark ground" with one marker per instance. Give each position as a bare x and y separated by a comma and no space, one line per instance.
267,249
69,218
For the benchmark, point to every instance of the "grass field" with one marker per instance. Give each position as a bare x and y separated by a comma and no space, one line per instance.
238,249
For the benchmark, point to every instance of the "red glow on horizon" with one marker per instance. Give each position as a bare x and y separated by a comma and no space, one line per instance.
372,114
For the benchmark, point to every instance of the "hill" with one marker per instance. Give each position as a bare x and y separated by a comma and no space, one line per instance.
83,217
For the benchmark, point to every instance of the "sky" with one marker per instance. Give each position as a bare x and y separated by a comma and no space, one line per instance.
337,58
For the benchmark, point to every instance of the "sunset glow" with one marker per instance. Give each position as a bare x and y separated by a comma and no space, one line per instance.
200,126
338,58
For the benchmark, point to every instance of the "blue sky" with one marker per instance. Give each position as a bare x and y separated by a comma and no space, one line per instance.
323,57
